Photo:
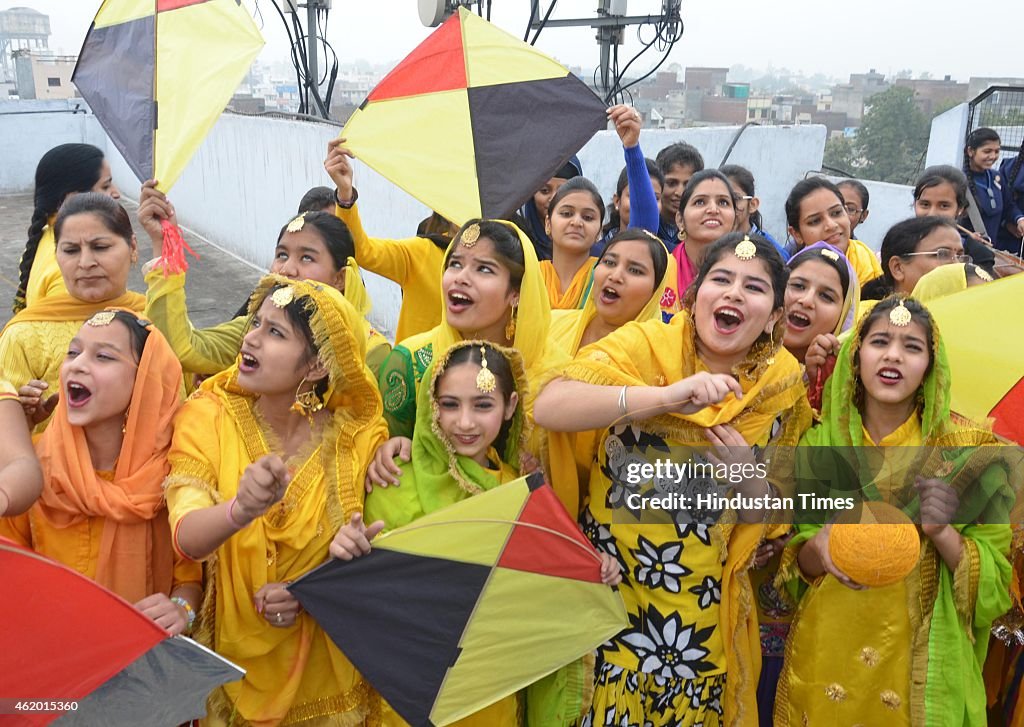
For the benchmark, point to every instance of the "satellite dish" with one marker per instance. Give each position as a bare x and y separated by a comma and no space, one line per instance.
432,12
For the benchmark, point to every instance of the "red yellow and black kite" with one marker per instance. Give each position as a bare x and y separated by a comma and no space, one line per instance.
468,604
473,121
158,73
986,357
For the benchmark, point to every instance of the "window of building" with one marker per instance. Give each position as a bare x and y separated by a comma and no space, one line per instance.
53,82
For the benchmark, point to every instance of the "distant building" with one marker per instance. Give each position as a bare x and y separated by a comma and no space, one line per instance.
21,29
979,84
39,76
930,94
709,81
849,98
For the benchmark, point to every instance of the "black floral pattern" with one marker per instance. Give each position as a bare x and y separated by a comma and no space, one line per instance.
667,646
659,567
600,536
708,592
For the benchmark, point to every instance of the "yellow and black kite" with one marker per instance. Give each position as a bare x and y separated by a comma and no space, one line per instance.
158,73
468,604
986,357
473,121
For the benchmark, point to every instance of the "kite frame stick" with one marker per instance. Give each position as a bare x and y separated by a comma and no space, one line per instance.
496,521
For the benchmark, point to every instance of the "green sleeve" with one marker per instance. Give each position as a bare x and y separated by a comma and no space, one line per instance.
395,505
205,351
397,383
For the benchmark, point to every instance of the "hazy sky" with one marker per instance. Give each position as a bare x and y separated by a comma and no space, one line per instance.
833,38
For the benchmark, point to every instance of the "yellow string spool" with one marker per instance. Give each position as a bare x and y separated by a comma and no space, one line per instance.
876,547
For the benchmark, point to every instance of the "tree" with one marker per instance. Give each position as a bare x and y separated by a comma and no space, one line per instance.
893,137
840,155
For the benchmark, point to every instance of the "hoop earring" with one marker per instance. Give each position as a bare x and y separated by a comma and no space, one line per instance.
510,327
681,235
307,403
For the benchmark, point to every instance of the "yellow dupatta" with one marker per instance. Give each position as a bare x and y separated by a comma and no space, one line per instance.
573,294
399,379
940,282
562,451
654,354
292,674
65,307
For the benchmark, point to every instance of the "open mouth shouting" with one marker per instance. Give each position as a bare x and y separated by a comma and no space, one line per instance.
609,295
458,301
798,321
727,320
890,376
78,395
249,363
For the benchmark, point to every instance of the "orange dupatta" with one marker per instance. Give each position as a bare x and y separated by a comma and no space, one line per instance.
136,558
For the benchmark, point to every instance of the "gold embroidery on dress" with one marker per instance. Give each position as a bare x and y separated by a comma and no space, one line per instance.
891,699
835,692
869,656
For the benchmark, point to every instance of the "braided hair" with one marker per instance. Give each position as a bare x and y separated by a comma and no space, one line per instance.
62,170
975,139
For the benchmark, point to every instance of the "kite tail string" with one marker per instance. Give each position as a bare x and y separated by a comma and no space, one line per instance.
174,249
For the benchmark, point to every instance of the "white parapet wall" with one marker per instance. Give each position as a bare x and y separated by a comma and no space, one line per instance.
28,129
887,205
946,141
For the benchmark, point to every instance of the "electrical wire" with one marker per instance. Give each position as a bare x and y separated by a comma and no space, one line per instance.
668,32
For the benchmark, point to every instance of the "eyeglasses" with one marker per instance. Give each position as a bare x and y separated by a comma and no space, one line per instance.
943,254
852,210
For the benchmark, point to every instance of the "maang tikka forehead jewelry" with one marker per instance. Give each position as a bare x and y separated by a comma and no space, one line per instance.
485,381
745,249
900,315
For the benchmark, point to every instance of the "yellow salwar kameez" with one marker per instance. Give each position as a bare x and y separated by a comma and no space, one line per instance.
910,653
45,278
294,675
692,653
436,477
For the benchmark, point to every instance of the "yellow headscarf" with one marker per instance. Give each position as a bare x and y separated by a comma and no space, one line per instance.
533,319
568,327
940,282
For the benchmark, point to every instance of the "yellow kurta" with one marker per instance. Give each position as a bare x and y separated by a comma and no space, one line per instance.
867,671
78,546
414,263
573,294
685,584
45,278
864,261
294,675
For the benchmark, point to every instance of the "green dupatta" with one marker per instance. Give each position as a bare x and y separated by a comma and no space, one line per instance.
951,611
436,476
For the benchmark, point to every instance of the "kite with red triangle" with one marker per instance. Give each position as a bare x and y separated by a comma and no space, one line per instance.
468,604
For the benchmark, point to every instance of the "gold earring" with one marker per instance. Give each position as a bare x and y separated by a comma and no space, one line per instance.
307,403
124,426
510,327
681,235
771,346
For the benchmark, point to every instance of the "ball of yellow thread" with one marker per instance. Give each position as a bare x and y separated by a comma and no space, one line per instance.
877,547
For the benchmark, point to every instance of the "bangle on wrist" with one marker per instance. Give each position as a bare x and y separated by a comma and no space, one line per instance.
229,514
190,613
6,501
623,405
346,205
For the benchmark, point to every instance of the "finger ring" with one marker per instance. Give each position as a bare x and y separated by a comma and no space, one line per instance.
280,618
